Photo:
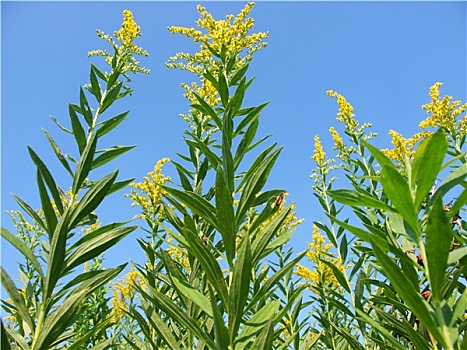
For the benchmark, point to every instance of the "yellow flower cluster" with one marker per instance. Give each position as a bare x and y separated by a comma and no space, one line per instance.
444,112
318,251
126,51
217,34
123,292
319,155
290,221
403,148
151,189
230,34
345,114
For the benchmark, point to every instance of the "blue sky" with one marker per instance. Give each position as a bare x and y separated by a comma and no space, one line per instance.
383,56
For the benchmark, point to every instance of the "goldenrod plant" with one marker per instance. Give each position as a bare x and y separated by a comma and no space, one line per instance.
385,267
399,262
212,285
50,310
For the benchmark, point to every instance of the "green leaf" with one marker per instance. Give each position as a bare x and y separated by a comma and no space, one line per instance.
271,283
193,294
109,154
225,215
95,88
84,164
220,330
23,249
412,297
196,203
239,74
208,75
172,310
255,179
209,264
117,186
354,198
437,245
92,198
185,182
265,339
240,287
454,178
245,142
17,338
223,88
158,325
65,314
90,248
85,109
78,130
48,178
110,97
207,110
338,274
398,192
251,117
459,308
457,254
111,123
426,165
256,324
58,153
4,338
210,155
15,296
235,103
31,212
380,328
49,212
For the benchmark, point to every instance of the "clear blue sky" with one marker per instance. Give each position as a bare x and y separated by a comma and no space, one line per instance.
383,56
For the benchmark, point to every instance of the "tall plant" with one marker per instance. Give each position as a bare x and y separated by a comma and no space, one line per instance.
209,282
405,255
47,310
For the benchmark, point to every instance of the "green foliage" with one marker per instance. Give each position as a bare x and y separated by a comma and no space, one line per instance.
219,273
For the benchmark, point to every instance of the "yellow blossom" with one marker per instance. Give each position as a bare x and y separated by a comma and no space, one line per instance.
230,35
319,155
317,252
403,148
443,112
345,114
125,53
123,292
151,189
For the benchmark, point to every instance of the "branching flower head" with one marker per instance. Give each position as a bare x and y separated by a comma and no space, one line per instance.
151,191
125,50
444,112
231,36
318,251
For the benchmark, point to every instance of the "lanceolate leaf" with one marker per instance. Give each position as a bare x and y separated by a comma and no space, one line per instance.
48,178
426,165
58,153
256,324
18,301
239,289
109,154
166,304
220,330
398,192
225,215
408,293
23,249
92,198
354,198
110,97
437,246
65,314
196,203
78,130
31,212
97,245
49,212
95,88
254,182
111,123
85,163
4,338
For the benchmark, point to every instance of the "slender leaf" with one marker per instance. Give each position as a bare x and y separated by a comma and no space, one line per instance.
111,123
78,130
109,154
84,164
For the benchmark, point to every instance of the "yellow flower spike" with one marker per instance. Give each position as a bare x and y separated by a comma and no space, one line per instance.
443,112
127,50
319,155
